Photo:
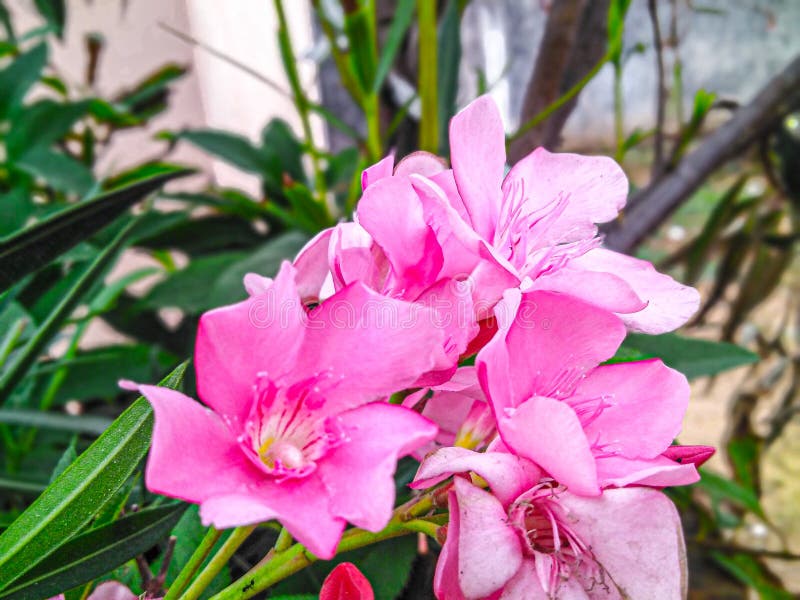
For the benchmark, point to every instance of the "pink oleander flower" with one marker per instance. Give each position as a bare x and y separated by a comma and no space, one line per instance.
459,408
528,538
346,582
538,222
108,590
589,426
293,432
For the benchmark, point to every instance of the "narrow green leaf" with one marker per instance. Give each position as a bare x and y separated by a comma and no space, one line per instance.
15,208
42,123
18,77
54,13
88,424
721,488
69,456
692,357
15,371
96,552
60,171
403,15
37,245
449,57
230,147
360,31
71,501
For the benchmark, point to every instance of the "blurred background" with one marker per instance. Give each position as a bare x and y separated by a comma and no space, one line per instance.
277,106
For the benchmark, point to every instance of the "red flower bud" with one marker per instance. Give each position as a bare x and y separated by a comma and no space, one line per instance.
346,582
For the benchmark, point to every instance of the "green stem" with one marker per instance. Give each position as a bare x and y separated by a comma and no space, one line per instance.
219,560
427,87
195,561
545,113
372,115
284,540
11,338
619,125
301,101
296,558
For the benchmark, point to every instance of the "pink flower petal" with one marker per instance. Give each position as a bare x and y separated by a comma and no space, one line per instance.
356,333
446,578
312,265
392,213
635,534
358,475
420,163
478,154
489,550
551,343
112,590
352,258
618,471
380,170
235,343
669,303
194,455
507,475
301,505
604,290
593,187
524,585
549,433
644,406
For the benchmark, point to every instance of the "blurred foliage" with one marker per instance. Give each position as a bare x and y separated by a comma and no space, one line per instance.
65,223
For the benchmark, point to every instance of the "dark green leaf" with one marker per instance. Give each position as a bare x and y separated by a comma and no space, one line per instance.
230,147
59,171
42,123
69,456
692,357
18,77
39,244
264,260
54,13
90,424
79,493
403,14
721,488
27,356
149,96
211,234
386,565
312,216
363,48
449,59
15,209
95,552
282,151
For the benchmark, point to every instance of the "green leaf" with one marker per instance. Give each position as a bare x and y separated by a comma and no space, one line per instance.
283,152
18,77
403,15
359,28
204,235
71,501
230,147
750,571
69,456
94,373
37,245
54,13
264,260
60,171
149,96
449,59
309,213
15,371
15,209
95,552
188,289
721,488
87,424
692,357
41,124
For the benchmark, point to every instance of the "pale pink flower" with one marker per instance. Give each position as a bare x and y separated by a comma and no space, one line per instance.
588,426
459,408
108,590
539,221
294,433
530,539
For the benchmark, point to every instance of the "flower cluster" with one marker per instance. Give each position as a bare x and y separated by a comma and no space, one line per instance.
485,303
